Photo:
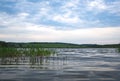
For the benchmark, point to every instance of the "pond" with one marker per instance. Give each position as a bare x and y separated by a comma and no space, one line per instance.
81,64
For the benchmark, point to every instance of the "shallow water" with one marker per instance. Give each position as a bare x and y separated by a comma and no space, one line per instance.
85,64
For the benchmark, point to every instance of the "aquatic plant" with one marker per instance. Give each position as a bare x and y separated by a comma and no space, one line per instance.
8,52
17,52
118,49
37,52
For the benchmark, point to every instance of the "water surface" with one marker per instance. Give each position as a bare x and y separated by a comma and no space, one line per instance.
82,64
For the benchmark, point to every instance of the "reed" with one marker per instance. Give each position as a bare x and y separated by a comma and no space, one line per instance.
118,49
8,52
17,52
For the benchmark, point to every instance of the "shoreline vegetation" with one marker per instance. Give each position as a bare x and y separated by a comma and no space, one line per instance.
54,45
23,50
12,49
26,52
118,49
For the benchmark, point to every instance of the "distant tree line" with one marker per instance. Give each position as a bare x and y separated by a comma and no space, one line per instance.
54,45
3,44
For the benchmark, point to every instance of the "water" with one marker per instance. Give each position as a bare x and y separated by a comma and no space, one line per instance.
90,64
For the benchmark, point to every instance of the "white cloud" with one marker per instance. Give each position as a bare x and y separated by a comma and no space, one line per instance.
32,32
66,19
16,29
13,20
23,15
98,5
71,4
36,10
114,8
68,13
21,26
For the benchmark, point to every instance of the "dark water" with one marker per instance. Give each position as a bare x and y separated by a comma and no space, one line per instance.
93,64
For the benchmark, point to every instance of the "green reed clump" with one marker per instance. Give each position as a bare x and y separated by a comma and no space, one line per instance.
8,52
38,52
15,52
118,49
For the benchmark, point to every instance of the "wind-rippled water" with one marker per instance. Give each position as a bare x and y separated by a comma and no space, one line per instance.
83,64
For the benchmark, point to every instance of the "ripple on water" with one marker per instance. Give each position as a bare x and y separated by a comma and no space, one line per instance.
93,64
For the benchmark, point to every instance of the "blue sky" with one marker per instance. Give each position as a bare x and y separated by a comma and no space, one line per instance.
73,21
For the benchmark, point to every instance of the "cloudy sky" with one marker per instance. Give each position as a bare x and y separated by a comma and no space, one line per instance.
71,21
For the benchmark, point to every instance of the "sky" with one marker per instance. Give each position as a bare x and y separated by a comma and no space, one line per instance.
69,21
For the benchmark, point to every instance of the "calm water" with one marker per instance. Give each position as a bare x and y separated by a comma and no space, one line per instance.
91,64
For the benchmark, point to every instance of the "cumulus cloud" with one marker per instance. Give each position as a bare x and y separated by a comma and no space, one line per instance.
66,19
97,4
103,6
114,7
68,12
39,21
33,32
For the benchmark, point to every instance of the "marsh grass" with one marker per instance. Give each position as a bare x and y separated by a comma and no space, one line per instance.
8,52
118,49
17,52
38,52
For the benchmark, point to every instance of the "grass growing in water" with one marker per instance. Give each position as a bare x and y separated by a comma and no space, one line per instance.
118,49
8,52
17,52
37,52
